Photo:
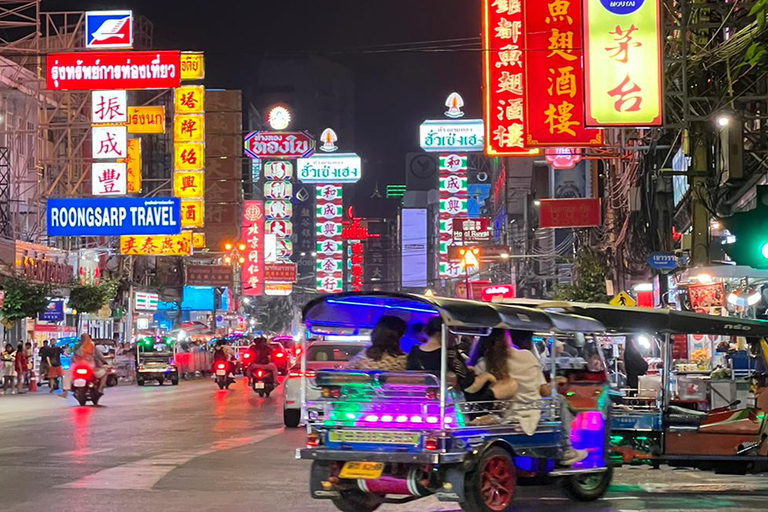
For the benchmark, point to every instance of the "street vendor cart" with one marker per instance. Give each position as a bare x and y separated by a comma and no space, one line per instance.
381,437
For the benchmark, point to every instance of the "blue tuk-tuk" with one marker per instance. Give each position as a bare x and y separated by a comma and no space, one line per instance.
382,437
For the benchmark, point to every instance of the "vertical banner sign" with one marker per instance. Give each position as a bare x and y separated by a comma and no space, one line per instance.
329,208
304,231
279,191
453,203
622,62
252,233
189,153
504,78
133,166
553,59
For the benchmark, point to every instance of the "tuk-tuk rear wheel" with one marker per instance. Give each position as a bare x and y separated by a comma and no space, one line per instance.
491,485
351,500
589,487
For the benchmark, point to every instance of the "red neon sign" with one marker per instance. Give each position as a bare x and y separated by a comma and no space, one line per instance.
253,237
84,71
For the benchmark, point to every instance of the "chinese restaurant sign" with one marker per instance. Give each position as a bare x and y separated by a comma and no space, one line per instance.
554,76
84,71
569,213
146,119
154,245
192,213
504,79
252,233
289,145
622,62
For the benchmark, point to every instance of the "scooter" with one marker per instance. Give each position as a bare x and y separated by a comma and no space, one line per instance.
262,381
223,376
85,385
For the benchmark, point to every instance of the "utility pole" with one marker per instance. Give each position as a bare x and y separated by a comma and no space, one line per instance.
697,179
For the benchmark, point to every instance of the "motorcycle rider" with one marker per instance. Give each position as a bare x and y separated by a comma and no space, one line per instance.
221,354
85,352
262,358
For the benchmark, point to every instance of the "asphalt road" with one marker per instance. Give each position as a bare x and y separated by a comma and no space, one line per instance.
195,448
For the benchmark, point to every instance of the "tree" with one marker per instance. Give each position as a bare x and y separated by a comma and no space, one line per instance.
24,299
589,280
274,314
90,298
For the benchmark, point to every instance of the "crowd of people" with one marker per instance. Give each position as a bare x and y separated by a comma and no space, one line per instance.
501,366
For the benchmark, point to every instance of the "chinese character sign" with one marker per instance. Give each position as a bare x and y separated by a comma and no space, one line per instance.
188,156
277,170
189,99
189,128
109,142
555,113
192,213
133,166
156,245
109,107
188,184
108,179
453,203
504,78
622,63
252,234
328,238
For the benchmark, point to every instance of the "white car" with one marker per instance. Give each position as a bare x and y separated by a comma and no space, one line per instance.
321,355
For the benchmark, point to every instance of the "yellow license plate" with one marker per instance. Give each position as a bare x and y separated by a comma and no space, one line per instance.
362,470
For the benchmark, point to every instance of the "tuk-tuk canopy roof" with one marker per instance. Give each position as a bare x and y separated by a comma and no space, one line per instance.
348,313
625,320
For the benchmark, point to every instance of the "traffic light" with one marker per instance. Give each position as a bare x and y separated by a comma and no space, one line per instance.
750,234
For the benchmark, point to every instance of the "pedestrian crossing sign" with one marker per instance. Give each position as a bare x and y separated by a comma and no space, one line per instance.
623,299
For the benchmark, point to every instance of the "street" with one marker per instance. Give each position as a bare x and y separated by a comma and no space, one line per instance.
193,447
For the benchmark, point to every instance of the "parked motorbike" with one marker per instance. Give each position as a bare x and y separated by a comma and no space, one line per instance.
85,385
223,375
262,382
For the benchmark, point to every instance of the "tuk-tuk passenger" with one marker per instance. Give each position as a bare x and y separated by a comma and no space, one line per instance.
427,357
522,367
384,352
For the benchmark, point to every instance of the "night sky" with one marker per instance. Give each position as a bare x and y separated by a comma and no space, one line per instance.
395,91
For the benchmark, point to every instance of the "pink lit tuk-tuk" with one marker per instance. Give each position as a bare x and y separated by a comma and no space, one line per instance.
379,437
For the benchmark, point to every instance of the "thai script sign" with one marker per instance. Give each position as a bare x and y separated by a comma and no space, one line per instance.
83,71
448,135
336,168
113,217
146,119
289,145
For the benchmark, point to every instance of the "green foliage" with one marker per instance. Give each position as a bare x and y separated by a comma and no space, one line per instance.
24,299
91,298
589,281
757,52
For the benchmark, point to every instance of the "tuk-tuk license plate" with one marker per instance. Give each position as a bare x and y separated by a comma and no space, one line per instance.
373,437
362,470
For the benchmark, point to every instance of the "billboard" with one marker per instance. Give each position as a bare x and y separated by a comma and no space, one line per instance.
209,275
569,213
622,62
504,79
336,168
88,71
146,120
113,217
554,76
328,236
108,29
453,203
413,240
271,145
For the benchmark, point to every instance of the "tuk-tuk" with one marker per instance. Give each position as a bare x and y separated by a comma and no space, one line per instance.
688,421
382,437
156,360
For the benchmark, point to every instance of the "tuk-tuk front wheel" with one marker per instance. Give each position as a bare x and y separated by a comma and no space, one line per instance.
491,485
588,487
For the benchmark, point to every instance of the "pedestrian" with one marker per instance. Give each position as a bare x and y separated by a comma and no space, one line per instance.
29,351
43,354
55,372
635,364
8,358
20,367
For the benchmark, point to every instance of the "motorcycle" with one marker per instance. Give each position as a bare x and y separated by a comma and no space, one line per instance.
85,385
223,375
262,382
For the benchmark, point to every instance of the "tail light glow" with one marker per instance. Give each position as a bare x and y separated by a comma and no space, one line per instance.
82,371
221,366
260,373
297,373
280,355
430,443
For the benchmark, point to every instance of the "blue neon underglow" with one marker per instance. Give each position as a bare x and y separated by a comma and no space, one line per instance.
383,306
